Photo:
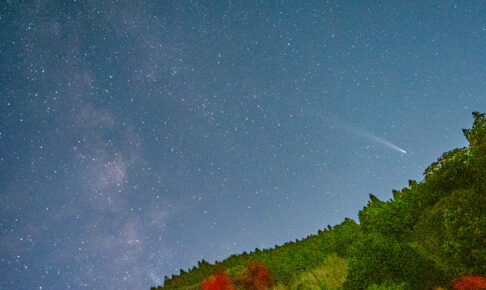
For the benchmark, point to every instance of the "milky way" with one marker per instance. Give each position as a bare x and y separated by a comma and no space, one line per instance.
139,137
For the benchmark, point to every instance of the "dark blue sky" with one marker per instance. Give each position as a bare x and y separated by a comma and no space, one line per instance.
138,137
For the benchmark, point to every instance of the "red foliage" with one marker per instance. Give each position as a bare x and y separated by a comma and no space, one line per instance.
218,281
257,277
469,283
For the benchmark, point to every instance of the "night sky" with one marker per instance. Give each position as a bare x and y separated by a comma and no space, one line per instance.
139,137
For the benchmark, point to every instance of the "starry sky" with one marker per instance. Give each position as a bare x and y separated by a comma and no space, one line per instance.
139,137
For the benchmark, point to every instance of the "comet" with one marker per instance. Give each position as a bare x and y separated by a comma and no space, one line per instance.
383,142
368,136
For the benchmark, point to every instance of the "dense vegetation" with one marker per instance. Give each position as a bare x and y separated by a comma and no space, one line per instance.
429,235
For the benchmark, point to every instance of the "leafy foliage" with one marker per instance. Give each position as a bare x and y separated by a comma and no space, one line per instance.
428,234
256,277
330,275
469,283
218,281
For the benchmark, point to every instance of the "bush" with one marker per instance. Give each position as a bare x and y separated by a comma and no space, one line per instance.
469,283
218,281
256,277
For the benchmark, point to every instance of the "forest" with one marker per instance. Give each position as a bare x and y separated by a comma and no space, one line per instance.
429,235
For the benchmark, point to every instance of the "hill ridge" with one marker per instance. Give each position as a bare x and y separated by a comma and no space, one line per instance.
428,234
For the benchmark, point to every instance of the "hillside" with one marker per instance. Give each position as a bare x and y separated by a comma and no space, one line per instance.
427,235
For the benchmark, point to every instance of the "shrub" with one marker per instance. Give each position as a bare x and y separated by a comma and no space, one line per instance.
469,283
256,277
218,281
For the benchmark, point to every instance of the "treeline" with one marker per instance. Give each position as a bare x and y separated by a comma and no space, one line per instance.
428,236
